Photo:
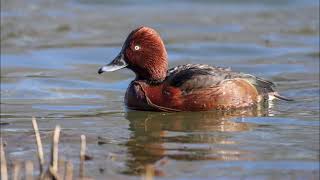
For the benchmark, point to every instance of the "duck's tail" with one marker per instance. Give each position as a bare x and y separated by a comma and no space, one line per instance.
275,95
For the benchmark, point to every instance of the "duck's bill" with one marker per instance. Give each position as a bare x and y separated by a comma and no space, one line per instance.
116,64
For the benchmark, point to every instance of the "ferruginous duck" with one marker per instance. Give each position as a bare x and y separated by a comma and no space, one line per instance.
190,87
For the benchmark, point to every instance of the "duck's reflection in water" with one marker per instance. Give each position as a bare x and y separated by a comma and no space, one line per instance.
184,136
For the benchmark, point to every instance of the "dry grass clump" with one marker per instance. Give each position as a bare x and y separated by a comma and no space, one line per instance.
56,169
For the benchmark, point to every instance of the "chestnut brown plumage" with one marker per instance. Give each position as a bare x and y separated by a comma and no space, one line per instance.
190,87
151,53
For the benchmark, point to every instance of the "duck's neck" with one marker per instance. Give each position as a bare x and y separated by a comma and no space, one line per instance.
151,75
150,81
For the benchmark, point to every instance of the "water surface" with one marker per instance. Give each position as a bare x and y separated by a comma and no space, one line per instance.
51,51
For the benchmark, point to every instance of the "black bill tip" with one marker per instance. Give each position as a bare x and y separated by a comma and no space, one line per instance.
100,71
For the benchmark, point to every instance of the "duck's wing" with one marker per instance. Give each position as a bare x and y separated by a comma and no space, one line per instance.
191,77
196,76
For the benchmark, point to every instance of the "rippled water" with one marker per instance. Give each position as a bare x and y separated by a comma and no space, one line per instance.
51,51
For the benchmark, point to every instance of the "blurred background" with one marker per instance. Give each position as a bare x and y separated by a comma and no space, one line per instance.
51,51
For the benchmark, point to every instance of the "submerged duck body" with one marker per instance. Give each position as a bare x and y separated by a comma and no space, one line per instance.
190,87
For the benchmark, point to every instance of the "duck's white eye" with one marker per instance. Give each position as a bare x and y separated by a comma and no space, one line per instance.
136,47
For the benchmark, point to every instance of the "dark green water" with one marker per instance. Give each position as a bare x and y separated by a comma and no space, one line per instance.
51,51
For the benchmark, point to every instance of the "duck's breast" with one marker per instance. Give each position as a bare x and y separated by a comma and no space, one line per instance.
135,97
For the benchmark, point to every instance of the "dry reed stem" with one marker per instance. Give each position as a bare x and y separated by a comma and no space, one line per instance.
53,173
54,152
16,170
149,172
29,170
61,168
82,155
68,171
4,170
39,144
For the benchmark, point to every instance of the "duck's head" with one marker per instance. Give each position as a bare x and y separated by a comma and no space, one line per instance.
144,53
